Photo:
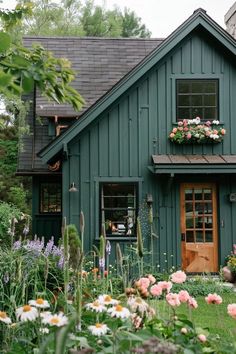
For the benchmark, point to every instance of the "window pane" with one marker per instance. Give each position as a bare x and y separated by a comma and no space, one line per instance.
210,113
184,100
189,236
198,194
208,236
199,236
208,208
197,100
209,86
183,86
207,194
197,86
183,113
50,197
208,222
188,194
189,220
209,100
118,208
199,207
199,222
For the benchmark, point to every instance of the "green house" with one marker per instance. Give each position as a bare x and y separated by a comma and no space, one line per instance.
138,145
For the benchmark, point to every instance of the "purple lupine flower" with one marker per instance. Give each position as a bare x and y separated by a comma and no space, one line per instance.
102,263
49,247
60,263
56,251
108,247
16,245
36,246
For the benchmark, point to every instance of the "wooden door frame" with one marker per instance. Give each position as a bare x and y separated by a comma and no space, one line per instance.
191,185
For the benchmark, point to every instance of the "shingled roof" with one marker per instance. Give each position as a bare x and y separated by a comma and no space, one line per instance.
99,63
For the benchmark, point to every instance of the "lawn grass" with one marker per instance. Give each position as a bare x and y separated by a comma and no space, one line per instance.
213,317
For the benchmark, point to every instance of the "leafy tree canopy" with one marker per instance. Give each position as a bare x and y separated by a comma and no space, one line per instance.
22,69
81,18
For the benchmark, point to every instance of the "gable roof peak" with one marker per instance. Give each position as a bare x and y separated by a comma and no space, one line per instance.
200,9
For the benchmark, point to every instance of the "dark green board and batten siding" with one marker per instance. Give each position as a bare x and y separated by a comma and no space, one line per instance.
119,144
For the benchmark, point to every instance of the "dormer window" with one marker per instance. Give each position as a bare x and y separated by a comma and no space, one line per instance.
197,98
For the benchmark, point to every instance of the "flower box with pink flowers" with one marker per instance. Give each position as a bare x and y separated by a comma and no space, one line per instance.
190,131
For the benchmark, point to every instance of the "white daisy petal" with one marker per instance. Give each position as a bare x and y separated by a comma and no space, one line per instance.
26,313
99,329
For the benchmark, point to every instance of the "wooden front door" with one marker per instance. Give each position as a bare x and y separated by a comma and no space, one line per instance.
199,227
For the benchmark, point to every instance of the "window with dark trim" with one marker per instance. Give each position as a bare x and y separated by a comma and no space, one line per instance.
50,197
118,209
197,98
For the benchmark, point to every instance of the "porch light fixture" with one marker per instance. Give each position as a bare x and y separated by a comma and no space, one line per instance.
73,187
149,200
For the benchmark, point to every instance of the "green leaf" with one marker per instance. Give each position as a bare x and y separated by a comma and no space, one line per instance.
5,79
5,41
27,84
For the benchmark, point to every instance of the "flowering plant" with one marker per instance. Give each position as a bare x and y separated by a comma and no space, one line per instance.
231,261
193,131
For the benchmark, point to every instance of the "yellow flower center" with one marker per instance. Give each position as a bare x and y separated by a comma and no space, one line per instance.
54,320
3,314
108,298
96,303
98,325
39,301
26,308
119,308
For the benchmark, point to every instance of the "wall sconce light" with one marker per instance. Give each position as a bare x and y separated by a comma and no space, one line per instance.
73,187
149,200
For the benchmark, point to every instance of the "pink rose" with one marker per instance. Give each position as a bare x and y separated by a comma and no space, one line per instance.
192,303
213,299
232,310
165,285
143,283
202,338
185,122
223,131
151,278
180,123
189,136
172,135
173,299
183,296
156,290
208,123
174,130
186,129
178,277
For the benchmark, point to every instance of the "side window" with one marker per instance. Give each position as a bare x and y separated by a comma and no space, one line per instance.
50,197
118,209
197,98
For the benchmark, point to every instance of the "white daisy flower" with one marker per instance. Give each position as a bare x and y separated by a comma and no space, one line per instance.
40,303
45,314
4,318
137,304
26,313
96,306
119,312
107,300
57,320
99,329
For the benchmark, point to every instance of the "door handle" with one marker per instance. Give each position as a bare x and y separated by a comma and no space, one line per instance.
182,236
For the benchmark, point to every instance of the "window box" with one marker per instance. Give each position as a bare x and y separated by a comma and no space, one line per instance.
190,131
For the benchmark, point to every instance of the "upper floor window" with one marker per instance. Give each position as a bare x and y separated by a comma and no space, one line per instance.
197,98
119,209
50,197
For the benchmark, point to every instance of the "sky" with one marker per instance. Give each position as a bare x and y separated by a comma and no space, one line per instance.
162,17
